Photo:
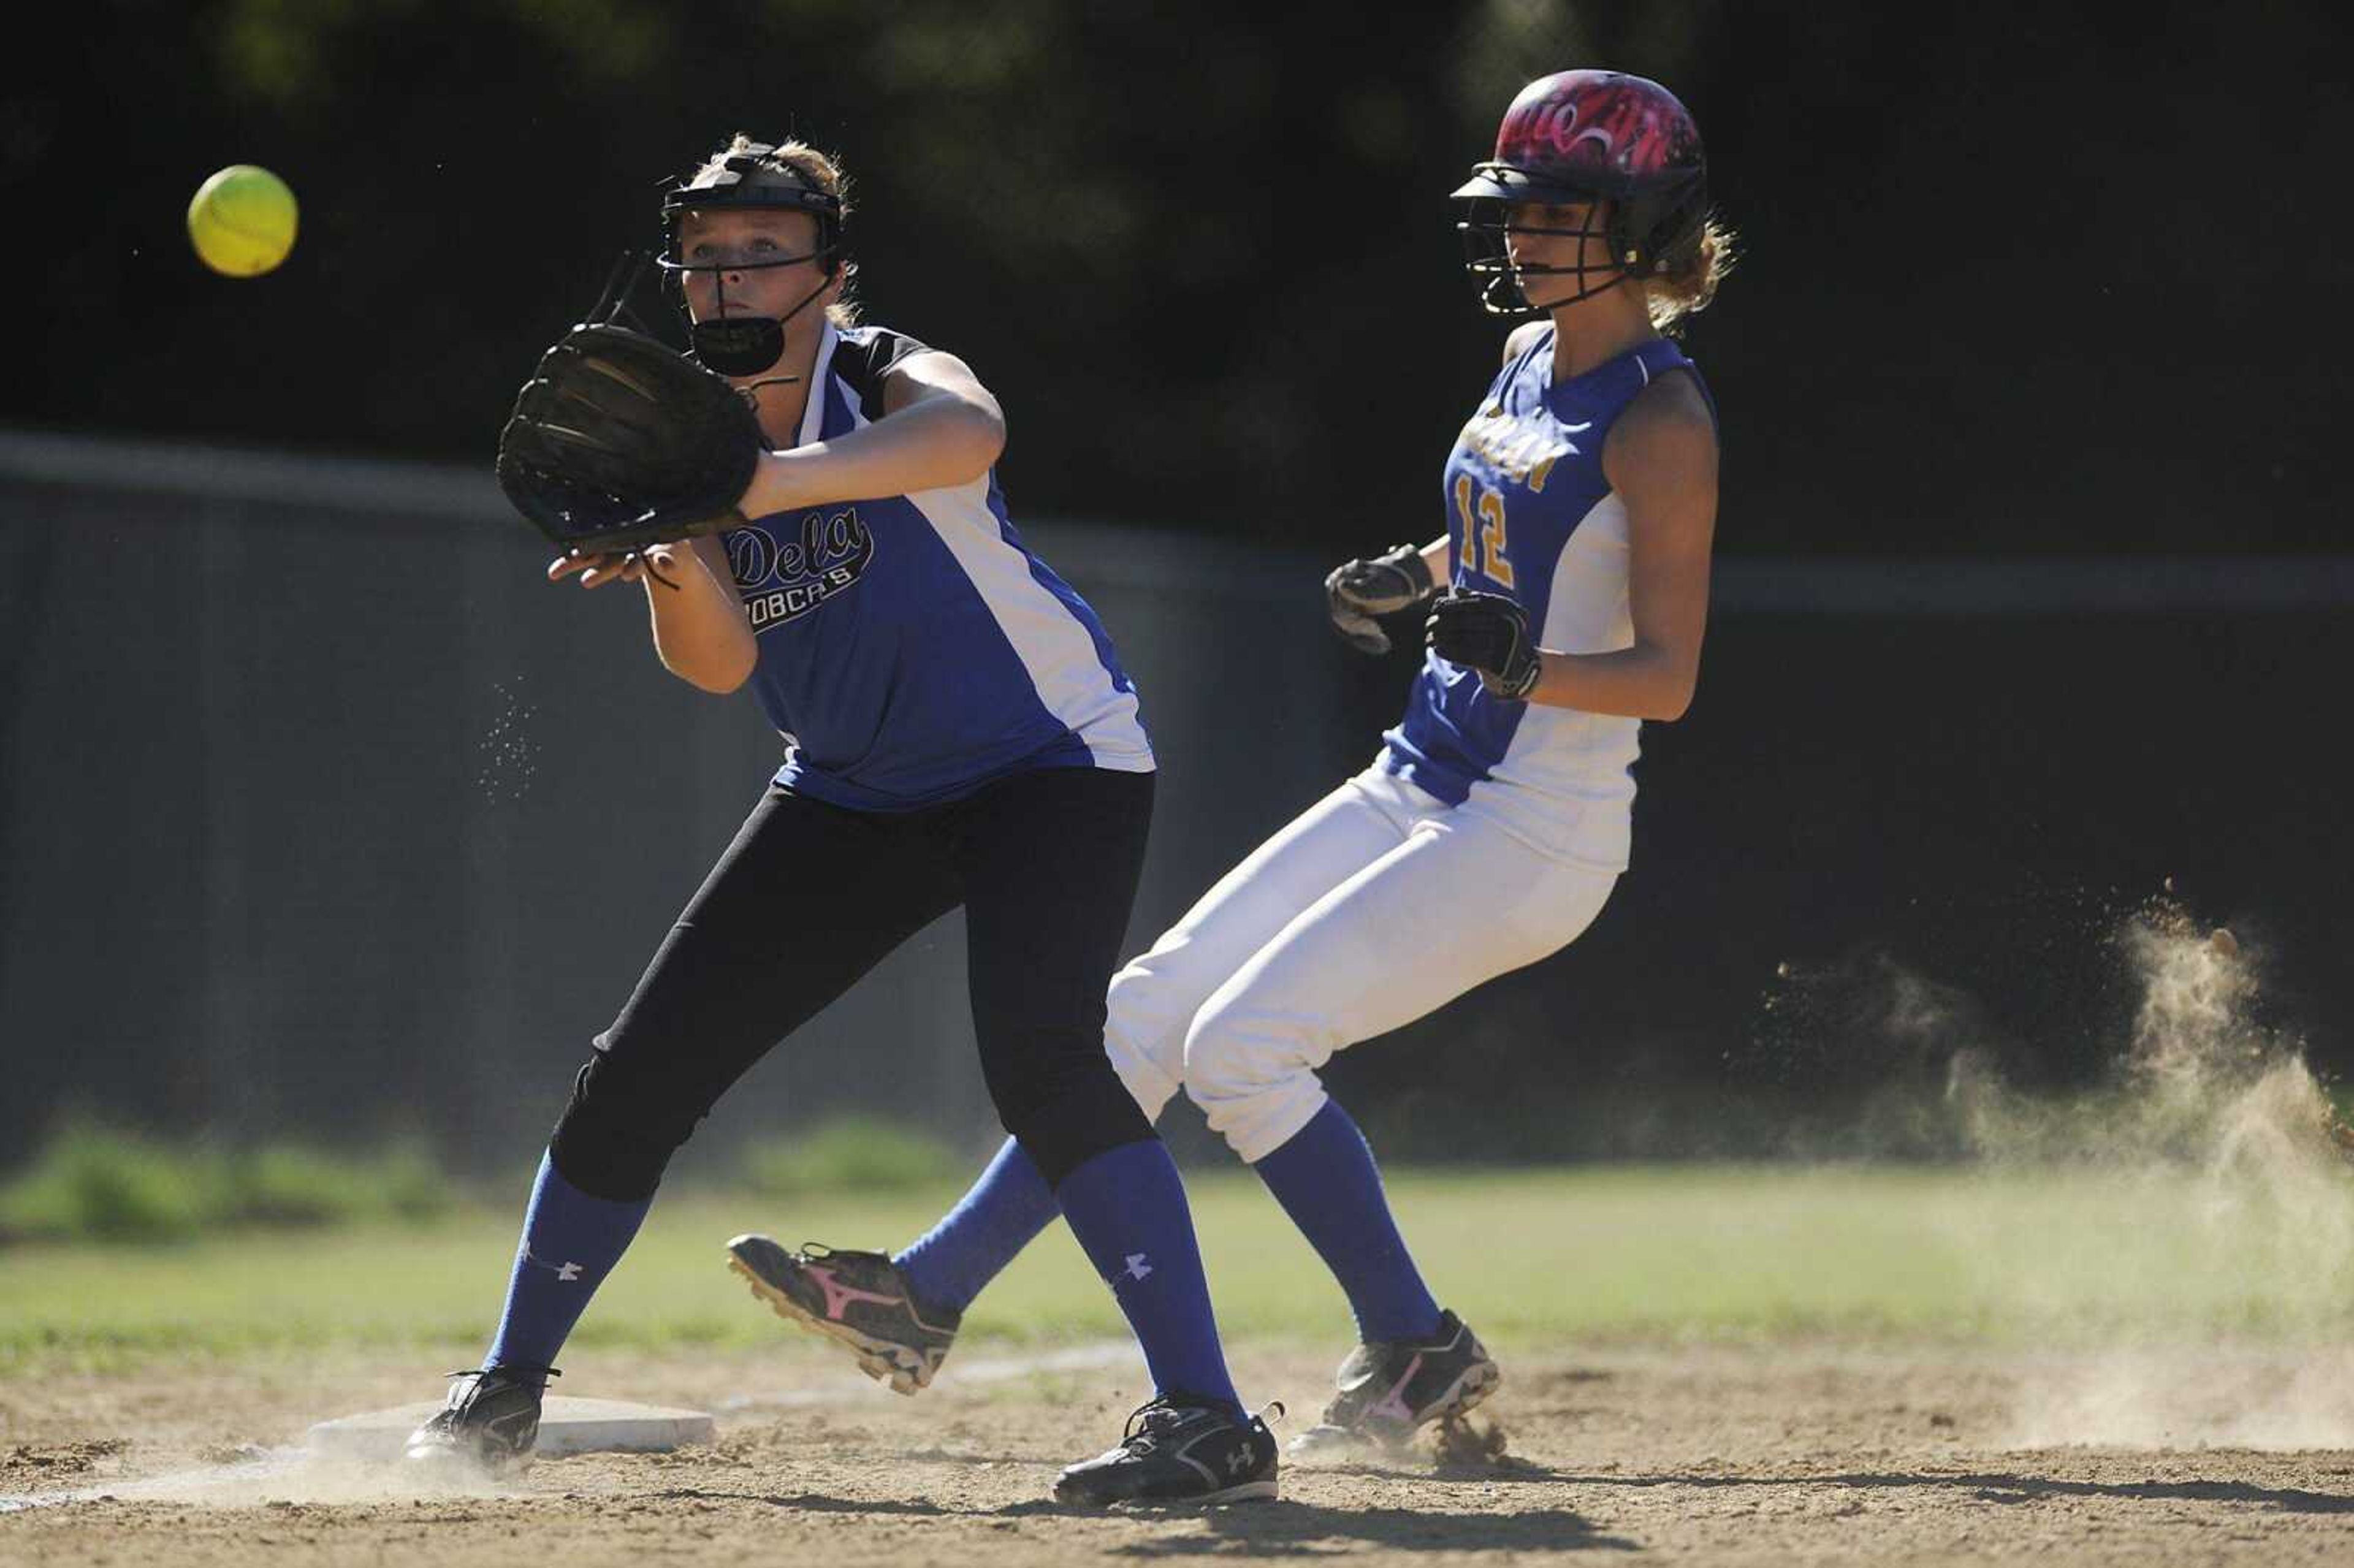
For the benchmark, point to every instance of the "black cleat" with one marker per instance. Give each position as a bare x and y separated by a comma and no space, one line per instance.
1389,1391
858,1298
1177,1450
490,1424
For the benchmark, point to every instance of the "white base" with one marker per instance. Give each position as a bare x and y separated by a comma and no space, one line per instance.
567,1426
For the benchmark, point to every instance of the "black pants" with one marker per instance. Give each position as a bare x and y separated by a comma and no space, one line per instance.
811,896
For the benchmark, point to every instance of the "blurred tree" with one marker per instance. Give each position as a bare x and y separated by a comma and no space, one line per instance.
2018,279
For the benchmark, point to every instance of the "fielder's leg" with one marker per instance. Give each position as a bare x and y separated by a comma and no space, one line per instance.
749,958
1050,864
1149,1006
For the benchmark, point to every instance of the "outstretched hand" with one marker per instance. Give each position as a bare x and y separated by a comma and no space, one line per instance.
657,562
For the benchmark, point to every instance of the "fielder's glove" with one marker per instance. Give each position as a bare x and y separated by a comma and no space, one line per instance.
1360,590
619,442
1490,633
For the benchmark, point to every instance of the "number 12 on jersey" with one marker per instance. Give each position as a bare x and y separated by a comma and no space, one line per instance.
1483,530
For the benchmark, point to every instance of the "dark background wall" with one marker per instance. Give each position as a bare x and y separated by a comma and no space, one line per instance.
324,815
2030,593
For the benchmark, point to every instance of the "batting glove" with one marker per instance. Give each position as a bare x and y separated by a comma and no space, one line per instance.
1490,633
1360,590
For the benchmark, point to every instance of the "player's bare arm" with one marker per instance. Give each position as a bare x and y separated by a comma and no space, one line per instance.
1661,460
1436,561
700,632
940,427
699,629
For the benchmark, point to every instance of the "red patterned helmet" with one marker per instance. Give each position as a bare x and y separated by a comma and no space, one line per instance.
1620,143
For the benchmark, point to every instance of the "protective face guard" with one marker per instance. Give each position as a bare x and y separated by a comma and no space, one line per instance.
739,345
1644,228
744,345
1487,226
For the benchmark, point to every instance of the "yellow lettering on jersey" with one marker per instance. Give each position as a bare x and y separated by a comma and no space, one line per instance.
1483,516
1492,509
1517,448
1520,449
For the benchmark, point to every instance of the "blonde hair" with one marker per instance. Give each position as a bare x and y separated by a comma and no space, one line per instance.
1690,283
812,170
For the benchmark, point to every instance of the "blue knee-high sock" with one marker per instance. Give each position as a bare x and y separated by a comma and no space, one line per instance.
570,1241
1128,1210
949,1264
1325,1180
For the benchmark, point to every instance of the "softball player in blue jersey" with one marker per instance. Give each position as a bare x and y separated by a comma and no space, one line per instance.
1580,503
958,732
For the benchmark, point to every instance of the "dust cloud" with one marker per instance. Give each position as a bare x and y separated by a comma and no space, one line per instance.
2176,1242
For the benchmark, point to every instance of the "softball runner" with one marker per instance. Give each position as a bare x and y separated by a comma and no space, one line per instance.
1580,503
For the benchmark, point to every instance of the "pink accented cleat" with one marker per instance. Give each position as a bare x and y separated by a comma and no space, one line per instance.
1390,1390
858,1298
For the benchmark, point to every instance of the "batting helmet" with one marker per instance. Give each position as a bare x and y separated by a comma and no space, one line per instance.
1623,144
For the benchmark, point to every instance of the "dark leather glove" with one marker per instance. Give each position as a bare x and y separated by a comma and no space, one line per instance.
1357,592
1488,632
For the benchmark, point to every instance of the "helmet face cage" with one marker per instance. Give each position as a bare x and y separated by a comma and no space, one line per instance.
1621,145
745,345
1487,226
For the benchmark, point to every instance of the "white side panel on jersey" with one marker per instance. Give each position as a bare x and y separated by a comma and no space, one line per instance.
1053,644
813,408
1564,782
1587,611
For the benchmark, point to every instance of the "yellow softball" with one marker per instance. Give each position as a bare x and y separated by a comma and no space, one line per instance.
242,222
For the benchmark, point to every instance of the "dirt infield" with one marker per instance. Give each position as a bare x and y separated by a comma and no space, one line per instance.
1791,1454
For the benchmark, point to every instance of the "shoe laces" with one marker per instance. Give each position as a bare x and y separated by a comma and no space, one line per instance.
1137,1437
818,1252
1141,1436
508,1372
1147,1421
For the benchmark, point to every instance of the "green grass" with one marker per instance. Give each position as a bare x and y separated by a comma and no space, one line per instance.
850,1154
1573,1257
96,1183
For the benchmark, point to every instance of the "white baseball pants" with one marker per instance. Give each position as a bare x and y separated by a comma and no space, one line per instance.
1377,905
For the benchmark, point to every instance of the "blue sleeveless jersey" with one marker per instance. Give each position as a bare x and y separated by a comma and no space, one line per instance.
1530,514
912,648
